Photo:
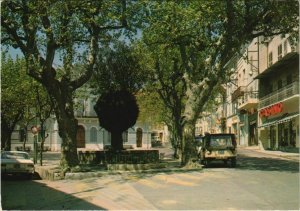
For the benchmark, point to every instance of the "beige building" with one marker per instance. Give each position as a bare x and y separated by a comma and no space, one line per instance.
278,107
262,98
244,95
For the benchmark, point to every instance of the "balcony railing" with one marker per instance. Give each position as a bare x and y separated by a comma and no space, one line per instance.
249,100
279,95
238,92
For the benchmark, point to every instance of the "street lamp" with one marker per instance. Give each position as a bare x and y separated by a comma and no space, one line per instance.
34,131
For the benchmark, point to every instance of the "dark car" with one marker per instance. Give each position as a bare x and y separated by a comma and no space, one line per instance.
199,140
220,146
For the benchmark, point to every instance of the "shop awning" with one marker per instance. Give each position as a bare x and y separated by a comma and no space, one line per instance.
284,118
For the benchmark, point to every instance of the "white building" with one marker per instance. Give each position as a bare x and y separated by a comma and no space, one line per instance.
89,134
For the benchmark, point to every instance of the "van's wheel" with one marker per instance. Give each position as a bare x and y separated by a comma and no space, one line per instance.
205,162
28,176
233,162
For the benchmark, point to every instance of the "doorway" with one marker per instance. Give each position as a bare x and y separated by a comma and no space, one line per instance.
272,137
252,132
80,136
139,137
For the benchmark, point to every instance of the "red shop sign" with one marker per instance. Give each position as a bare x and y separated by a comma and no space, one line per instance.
274,109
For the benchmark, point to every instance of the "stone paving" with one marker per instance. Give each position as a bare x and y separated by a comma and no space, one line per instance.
108,193
50,169
257,183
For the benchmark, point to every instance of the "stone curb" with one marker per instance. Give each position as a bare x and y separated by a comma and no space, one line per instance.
53,174
293,156
79,176
47,173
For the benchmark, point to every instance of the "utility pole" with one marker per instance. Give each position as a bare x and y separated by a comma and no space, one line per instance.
34,131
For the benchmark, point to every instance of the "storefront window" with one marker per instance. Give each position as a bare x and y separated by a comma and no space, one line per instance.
286,134
292,134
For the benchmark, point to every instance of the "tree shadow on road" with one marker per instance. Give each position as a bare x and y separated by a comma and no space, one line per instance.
267,164
21,194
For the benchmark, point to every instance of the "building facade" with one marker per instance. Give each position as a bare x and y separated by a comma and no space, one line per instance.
261,106
90,136
278,106
244,95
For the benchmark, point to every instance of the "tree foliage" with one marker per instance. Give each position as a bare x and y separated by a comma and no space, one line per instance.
118,68
197,39
67,32
18,92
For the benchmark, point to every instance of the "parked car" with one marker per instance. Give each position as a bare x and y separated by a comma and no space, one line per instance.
221,146
199,140
16,163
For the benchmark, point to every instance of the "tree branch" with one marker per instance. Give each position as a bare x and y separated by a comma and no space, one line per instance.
91,63
51,44
12,31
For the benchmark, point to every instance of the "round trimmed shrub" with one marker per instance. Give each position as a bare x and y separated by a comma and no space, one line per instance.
117,111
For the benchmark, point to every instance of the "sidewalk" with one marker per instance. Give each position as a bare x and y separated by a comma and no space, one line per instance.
287,155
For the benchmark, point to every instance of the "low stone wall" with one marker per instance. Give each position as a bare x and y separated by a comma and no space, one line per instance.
122,157
135,167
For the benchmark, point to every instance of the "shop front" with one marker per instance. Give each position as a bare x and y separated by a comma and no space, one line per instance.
252,124
279,126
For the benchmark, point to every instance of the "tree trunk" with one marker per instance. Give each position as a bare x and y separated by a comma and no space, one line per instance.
67,129
25,137
189,155
42,141
6,139
174,141
116,141
176,131
67,132
7,128
61,94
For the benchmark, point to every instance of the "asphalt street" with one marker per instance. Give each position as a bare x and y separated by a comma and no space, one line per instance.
260,182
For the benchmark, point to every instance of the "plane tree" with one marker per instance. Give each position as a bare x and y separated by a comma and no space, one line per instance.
17,97
55,35
19,104
200,37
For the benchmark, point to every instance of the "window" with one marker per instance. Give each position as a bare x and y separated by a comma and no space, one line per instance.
80,108
93,137
22,135
285,47
280,51
91,108
234,108
251,93
125,136
270,61
251,65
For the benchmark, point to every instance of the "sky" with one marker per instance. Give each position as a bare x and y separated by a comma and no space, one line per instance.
57,62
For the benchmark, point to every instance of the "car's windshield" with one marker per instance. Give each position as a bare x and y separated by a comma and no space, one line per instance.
14,155
198,140
216,141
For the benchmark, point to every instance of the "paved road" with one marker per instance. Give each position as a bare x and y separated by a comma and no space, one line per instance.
259,182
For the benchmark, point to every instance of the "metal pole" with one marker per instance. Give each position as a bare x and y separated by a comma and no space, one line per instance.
35,149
